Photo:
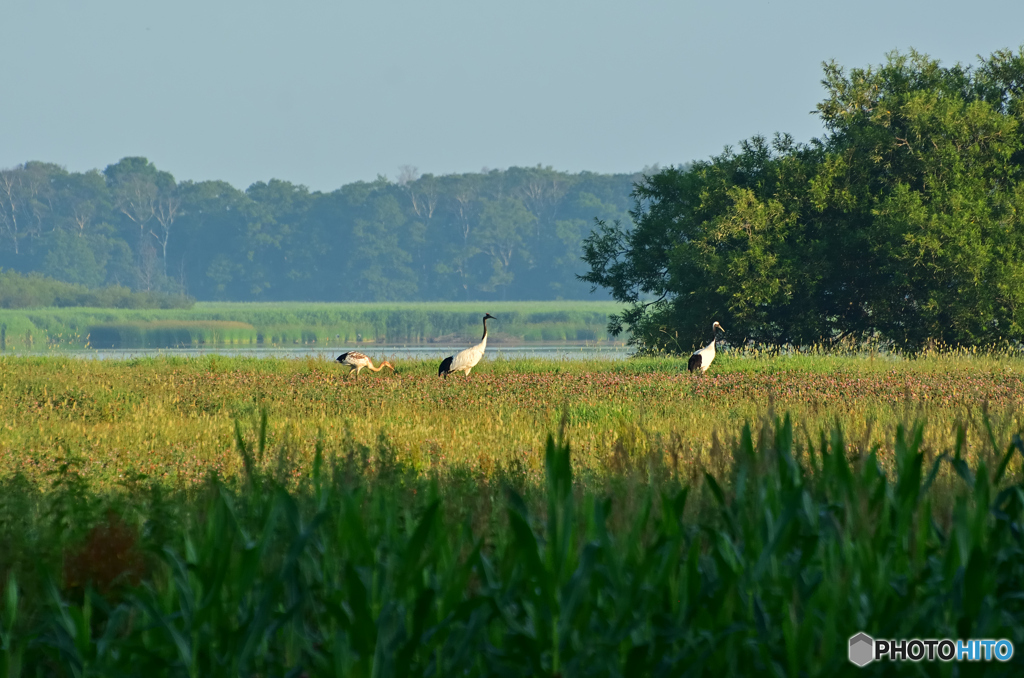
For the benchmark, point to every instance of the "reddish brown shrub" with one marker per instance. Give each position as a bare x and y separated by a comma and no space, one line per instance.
108,558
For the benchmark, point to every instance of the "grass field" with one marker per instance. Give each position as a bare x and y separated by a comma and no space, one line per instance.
288,324
228,516
175,418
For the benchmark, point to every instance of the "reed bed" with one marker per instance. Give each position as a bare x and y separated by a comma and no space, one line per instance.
289,324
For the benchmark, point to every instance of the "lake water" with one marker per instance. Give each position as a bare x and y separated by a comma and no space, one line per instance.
426,352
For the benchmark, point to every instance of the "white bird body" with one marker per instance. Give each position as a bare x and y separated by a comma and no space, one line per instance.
701,360
357,361
466,360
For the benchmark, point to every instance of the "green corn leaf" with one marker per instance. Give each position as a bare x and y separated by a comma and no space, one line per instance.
1016,446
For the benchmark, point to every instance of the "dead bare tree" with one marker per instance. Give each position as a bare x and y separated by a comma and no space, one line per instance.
167,209
407,174
10,201
136,198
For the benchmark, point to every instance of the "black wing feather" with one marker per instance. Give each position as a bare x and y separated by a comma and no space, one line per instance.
446,366
694,364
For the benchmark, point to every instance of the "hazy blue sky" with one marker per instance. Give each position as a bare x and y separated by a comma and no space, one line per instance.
325,93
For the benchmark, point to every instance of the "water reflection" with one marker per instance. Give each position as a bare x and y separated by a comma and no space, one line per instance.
428,352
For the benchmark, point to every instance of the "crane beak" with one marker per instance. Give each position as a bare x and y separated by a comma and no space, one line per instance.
488,315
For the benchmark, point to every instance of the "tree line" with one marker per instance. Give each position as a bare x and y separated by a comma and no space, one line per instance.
902,222
498,234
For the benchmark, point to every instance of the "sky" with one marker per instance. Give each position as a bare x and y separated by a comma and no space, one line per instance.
327,93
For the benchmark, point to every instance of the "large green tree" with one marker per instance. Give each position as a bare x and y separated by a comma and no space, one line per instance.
904,221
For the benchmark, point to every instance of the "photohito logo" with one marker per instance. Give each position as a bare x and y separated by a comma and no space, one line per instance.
864,649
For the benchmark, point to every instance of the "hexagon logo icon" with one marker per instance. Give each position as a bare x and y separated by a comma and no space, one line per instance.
862,649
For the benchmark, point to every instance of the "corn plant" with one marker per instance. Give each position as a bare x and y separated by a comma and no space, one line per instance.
767,570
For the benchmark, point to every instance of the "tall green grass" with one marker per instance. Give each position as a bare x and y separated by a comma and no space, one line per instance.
288,324
360,567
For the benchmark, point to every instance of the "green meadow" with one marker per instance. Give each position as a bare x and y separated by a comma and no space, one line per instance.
174,418
240,516
288,324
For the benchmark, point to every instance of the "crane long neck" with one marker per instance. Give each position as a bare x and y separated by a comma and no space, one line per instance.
484,338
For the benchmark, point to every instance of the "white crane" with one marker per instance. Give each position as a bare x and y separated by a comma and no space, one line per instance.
701,360
464,361
357,361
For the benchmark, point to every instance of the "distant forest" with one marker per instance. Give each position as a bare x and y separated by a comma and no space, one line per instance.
512,234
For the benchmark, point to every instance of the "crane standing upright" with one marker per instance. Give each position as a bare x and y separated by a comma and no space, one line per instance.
464,361
701,360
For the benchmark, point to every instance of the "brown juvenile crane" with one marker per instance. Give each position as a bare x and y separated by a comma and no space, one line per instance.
357,361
